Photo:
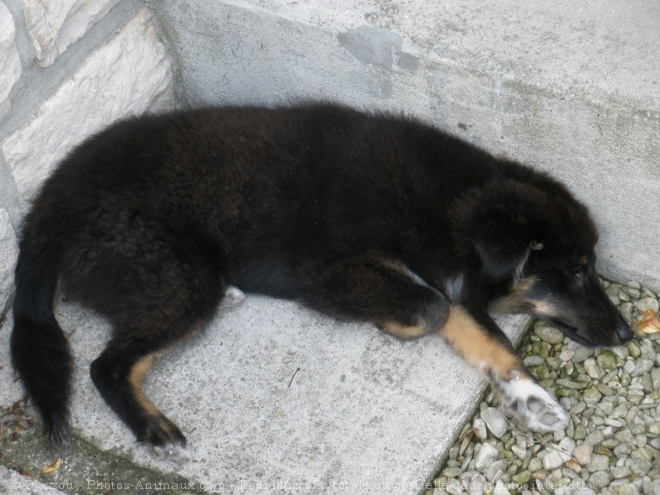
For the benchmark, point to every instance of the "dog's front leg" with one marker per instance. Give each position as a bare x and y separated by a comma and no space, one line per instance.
483,344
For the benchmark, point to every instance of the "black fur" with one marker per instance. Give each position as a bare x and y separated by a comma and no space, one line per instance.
362,216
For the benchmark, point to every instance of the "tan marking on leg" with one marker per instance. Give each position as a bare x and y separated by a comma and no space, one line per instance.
477,347
405,332
136,377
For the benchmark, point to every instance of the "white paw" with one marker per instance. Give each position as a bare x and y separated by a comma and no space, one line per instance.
175,453
233,297
536,407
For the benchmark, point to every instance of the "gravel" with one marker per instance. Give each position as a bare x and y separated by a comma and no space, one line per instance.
612,443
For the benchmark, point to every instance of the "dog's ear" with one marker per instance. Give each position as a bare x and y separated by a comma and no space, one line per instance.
502,222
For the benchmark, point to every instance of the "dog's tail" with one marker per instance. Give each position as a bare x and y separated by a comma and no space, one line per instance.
39,349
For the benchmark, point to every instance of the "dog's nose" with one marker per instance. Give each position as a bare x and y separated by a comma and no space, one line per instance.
624,332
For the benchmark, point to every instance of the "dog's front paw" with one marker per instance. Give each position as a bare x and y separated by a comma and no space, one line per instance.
536,407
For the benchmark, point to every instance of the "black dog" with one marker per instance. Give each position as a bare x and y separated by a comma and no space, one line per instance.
362,216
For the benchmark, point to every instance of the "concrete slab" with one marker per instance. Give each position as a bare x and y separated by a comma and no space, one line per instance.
277,399
12,483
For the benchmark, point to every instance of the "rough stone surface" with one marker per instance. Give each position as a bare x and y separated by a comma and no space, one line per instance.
10,65
54,24
129,75
12,483
8,254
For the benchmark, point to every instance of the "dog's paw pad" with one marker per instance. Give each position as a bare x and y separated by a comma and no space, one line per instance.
537,409
233,297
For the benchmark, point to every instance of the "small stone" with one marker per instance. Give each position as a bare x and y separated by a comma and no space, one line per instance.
621,351
591,396
634,349
627,310
522,477
592,369
578,408
643,453
500,489
486,456
624,436
636,293
621,471
549,334
495,470
520,452
495,421
583,490
535,465
479,427
615,423
605,389
599,463
454,487
640,466
627,489
554,459
646,350
452,472
531,361
646,304
580,432
603,450
642,366
566,354
582,453
606,360
573,465
570,384
599,479
567,444
606,407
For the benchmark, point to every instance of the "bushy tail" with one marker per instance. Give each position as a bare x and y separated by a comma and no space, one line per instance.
39,349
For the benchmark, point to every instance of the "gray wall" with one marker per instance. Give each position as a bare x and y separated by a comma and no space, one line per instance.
573,89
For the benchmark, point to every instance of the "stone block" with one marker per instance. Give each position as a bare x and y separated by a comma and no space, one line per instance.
129,75
10,64
54,24
8,255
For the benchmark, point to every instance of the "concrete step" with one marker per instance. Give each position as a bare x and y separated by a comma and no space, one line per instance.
277,399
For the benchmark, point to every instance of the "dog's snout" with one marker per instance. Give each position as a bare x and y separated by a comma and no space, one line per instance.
624,332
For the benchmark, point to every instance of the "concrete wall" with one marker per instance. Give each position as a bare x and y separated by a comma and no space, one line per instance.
571,88
67,69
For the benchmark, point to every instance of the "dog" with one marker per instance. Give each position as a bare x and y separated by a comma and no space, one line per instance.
364,216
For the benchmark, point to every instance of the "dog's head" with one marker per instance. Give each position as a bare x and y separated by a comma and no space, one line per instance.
540,241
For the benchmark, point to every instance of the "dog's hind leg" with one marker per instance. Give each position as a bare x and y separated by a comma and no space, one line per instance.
483,344
381,291
157,287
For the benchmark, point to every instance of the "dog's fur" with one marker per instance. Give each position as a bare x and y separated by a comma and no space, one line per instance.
362,216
